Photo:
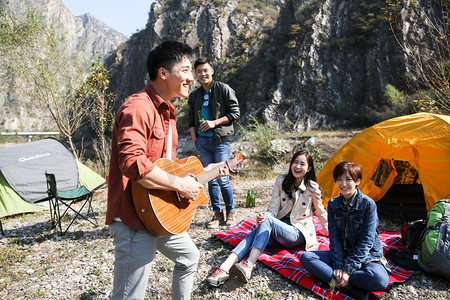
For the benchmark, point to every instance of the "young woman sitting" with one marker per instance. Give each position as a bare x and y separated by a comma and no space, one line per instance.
287,223
355,263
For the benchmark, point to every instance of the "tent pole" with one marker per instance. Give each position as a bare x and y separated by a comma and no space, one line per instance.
1,227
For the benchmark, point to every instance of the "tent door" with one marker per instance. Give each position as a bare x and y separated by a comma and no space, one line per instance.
404,199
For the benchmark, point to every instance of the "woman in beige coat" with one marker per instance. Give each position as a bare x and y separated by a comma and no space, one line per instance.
287,223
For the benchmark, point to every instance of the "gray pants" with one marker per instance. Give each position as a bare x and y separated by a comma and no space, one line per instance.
135,250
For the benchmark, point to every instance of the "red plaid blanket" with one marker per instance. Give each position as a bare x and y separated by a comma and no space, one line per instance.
287,261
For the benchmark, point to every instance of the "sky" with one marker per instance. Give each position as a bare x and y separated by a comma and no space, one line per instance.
123,16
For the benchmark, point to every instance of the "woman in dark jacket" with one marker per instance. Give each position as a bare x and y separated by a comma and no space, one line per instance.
355,263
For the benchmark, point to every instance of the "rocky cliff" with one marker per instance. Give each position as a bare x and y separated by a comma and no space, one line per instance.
295,64
85,33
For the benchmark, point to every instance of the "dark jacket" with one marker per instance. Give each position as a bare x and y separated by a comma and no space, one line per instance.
223,102
361,221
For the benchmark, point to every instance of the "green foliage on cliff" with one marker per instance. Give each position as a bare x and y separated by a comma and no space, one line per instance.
259,134
427,48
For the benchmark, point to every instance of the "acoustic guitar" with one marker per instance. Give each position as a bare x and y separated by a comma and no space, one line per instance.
165,213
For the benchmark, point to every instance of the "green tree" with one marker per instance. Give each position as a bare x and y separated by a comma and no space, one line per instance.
38,62
395,99
95,92
421,28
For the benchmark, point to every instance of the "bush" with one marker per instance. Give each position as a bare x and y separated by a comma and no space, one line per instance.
425,101
396,101
317,155
260,135
393,96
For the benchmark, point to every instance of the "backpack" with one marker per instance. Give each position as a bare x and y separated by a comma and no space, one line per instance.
412,237
434,256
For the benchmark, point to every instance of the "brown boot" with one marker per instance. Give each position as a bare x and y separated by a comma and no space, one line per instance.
231,218
217,219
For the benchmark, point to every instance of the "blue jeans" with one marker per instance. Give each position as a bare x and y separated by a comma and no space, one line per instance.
134,251
211,153
371,276
271,232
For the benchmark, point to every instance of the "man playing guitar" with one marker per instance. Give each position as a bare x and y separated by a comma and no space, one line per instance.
144,131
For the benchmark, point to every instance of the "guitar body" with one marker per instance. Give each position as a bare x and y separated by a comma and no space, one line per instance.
165,213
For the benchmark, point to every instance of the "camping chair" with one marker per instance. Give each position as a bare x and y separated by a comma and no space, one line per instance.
65,199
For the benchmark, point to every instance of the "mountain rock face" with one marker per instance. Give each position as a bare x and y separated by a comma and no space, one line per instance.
297,65
85,33
96,36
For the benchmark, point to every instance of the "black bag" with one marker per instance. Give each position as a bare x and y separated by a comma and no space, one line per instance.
412,236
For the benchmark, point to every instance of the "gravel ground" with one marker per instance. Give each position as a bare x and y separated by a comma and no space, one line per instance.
36,263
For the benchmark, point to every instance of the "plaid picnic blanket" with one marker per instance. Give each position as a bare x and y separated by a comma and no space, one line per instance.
287,261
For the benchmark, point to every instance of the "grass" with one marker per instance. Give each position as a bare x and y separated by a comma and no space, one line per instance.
11,255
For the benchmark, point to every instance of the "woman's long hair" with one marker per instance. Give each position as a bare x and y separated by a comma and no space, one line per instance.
288,182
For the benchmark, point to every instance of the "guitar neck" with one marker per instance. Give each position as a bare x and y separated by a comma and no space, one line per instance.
211,174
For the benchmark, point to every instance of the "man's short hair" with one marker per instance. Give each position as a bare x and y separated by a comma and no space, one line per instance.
201,61
166,55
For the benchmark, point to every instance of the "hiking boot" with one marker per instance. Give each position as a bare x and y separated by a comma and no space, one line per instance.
217,219
356,293
218,277
231,219
243,271
327,285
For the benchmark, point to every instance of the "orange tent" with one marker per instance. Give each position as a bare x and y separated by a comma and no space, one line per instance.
409,151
